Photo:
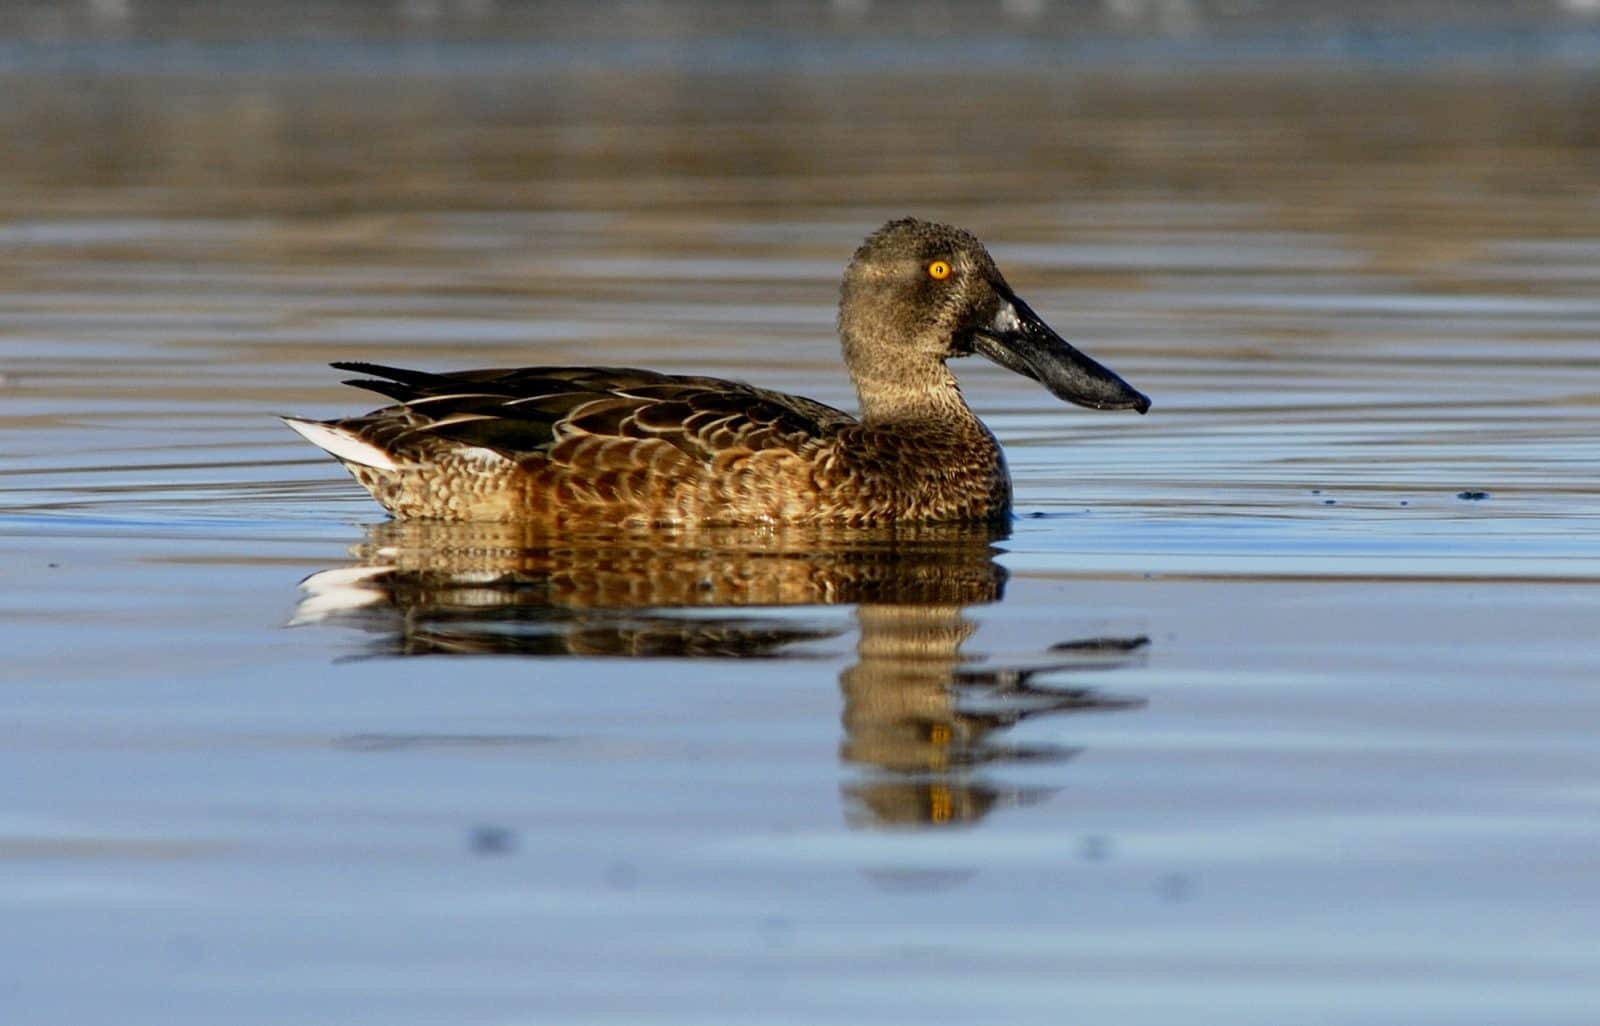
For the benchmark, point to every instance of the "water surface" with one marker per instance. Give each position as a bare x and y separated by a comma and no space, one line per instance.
1278,702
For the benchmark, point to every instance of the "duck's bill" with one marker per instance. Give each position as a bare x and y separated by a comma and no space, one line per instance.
1018,340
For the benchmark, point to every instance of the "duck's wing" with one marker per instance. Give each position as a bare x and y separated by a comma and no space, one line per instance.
522,413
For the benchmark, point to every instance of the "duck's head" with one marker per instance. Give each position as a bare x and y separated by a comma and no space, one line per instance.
918,293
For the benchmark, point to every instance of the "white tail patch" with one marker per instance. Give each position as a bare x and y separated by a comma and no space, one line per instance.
342,444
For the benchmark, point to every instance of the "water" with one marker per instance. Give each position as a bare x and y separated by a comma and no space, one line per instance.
1250,710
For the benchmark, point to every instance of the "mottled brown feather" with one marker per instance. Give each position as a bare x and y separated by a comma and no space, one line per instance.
599,445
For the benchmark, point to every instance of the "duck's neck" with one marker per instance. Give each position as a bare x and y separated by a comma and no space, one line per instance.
902,399
896,385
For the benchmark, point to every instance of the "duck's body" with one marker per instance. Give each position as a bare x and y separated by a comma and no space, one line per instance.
633,446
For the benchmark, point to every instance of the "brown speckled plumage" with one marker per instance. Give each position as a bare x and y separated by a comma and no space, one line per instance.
557,444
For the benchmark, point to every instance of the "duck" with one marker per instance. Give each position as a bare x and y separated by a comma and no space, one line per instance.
620,446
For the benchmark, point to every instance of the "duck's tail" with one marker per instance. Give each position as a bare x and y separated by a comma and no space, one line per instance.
342,443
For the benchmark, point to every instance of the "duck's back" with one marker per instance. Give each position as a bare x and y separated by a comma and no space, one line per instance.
554,443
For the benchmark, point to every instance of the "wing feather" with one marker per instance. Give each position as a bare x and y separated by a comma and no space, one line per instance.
523,413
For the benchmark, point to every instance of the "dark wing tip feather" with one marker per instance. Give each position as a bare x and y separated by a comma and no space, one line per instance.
392,389
379,370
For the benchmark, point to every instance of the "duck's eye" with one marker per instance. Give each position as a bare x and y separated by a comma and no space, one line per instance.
939,270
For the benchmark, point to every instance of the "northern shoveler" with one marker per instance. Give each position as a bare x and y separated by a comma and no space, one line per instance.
556,444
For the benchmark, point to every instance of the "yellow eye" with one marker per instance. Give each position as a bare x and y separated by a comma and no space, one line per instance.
938,270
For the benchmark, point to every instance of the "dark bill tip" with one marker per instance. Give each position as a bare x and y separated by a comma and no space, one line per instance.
1139,403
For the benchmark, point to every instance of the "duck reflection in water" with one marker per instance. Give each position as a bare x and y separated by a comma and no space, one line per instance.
922,719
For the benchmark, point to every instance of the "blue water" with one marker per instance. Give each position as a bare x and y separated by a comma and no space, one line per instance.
1250,715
